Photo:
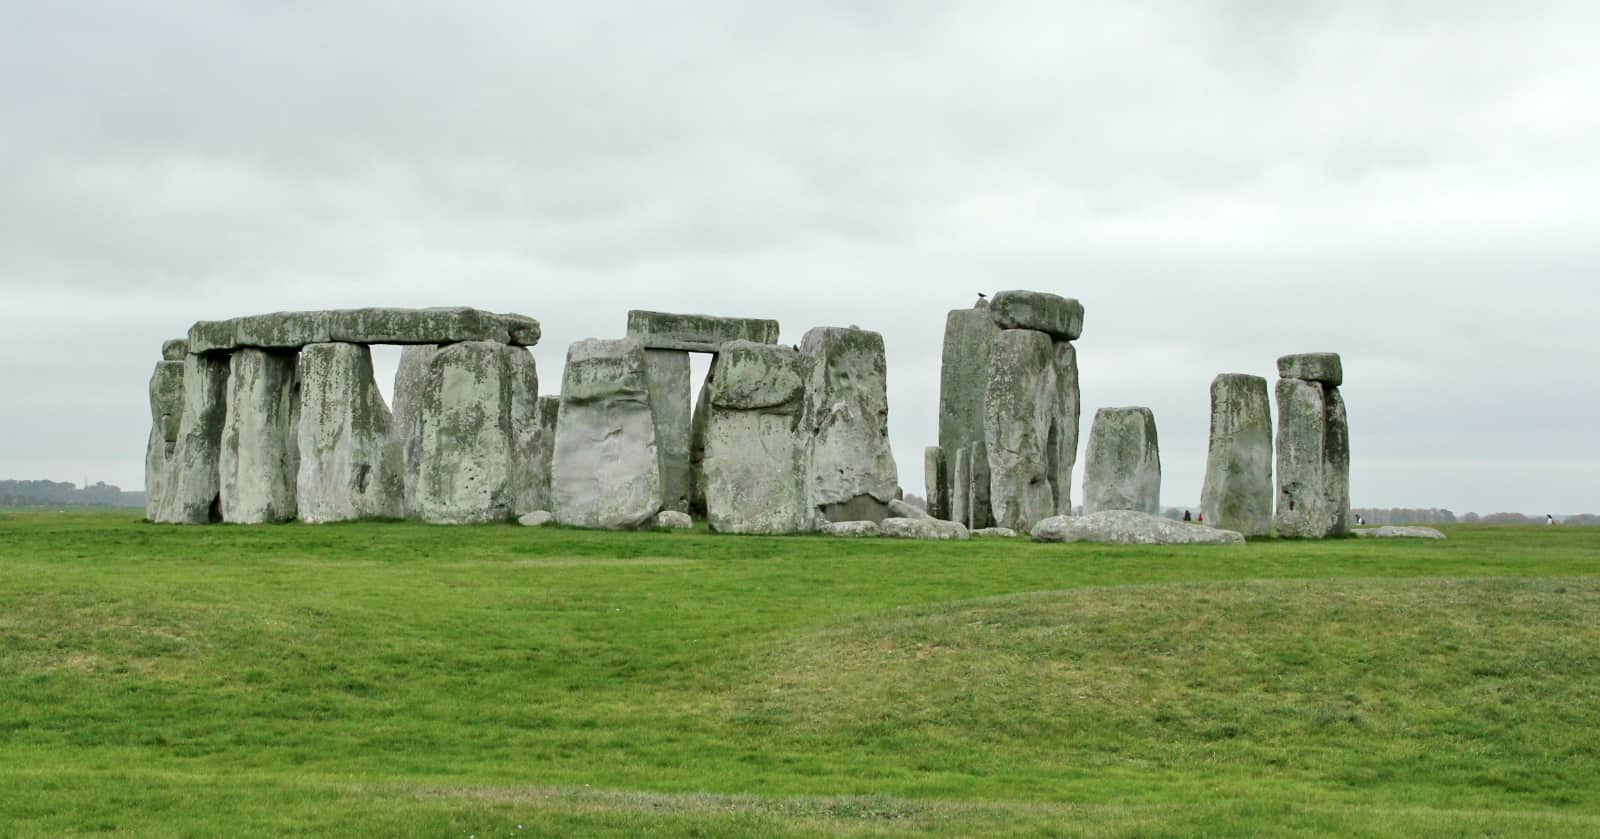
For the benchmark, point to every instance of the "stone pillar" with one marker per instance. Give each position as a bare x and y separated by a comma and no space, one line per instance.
1123,467
697,446
1313,448
969,335
1238,485
605,471
852,473
409,379
350,457
544,448
526,468
961,488
260,456
1019,406
166,412
667,374
755,472
1064,422
936,482
193,490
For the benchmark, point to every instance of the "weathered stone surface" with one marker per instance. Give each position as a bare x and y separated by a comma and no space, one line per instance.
1123,467
961,488
1238,488
697,333
993,532
847,421
605,472
674,520
292,330
667,373
166,410
175,349
527,470
193,488
851,529
1336,462
755,476
924,528
409,380
537,518
350,459
1065,421
899,508
1059,317
969,336
1324,367
260,456
464,461
1390,531
697,448
936,482
1313,461
544,447
1130,527
1019,405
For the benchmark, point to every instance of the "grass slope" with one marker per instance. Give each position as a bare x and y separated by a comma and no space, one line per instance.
393,678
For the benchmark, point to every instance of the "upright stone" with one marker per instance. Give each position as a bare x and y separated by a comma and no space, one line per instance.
605,472
755,472
409,379
1313,449
260,456
1238,484
936,482
525,465
852,469
193,489
1123,468
969,337
667,372
545,416
166,412
1019,406
697,447
961,488
350,461
464,462
1064,423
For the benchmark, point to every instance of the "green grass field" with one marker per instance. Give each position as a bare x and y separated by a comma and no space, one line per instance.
382,679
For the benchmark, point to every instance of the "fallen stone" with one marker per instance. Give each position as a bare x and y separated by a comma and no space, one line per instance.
851,529
1059,317
674,520
1130,527
1065,421
292,330
537,518
166,411
847,422
994,532
1313,462
924,528
697,333
1123,468
755,476
175,349
667,375
969,337
1324,367
605,472
1238,491
260,456
899,508
1390,531
193,490
1019,405
350,460
936,482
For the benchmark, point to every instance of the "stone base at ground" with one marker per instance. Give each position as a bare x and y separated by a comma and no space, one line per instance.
1129,527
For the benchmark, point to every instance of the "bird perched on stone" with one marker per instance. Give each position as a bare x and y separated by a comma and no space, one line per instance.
983,301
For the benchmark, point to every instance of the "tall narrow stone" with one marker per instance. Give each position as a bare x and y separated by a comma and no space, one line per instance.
1313,449
961,488
1238,485
1019,406
1123,467
548,411
260,456
605,471
852,470
166,412
409,379
350,462
667,373
1064,424
193,489
755,472
697,446
525,465
969,336
936,482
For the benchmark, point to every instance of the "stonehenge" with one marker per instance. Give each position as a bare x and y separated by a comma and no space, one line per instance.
1313,488
1238,483
350,463
1122,469
260,454
604,470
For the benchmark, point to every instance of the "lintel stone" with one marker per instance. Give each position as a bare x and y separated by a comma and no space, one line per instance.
1059,317
292,330
697,333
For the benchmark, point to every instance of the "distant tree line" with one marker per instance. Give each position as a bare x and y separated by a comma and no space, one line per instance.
63,494
1434,515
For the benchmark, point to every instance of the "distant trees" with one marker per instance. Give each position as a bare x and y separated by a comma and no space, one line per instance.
1404,515
63,494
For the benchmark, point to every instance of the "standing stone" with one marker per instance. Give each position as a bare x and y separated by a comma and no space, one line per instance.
1123,468
1063,445
464,459
166,411
260,456
936,482
544,446
525,465
605,472
755,475
1336,462
667,374
1313,450
409,379
969,336
697,446
192,493
961,488
1238,487
1019,406
852,469
350,461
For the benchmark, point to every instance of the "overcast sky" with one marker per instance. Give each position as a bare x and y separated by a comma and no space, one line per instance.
1414,185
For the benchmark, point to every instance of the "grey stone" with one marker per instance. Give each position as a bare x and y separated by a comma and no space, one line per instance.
166,411
1390,531
175,349
1324,367
1065,421
1019,406
847,422
527,470
925,528
544,447
193,490
667,373
1313,461
697,333
961,488
755,477
292,330
1238,488
260,456
410,378
898,508
537,518
1123,468
1130,527
851,529
936,482
1059,317
674,520
969,336
697,448
993,532
350,459
1336,461
605,472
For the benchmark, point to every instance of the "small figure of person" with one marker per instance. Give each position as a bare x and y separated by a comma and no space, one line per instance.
1186,516
1361,520
1549,519
1201,517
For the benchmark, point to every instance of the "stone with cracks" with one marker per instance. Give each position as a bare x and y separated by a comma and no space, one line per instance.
1130,527
1123,468
969,337
1019,406
697,333
1059,317
755,475
936,482
1313,474
667,372
350,459
1238,484
292,330
1324,367
852,470
605,472
1063,445
1390,531
193,487
851,529
260,456
925,528
166,410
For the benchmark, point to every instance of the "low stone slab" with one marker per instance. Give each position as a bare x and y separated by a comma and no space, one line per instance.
994,532
1324,367
175,349
292,330
697,333
851,529
900,508
1129,527
1396,532
923,528
537,518
1059,317
674,520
